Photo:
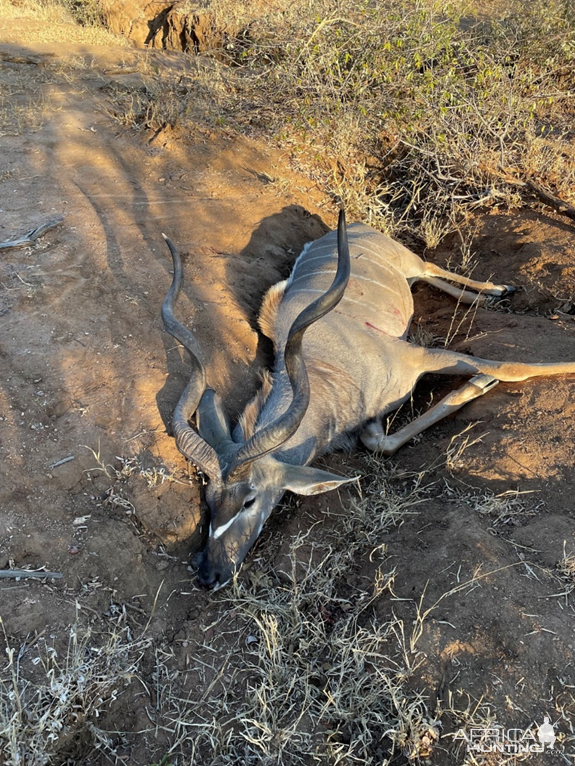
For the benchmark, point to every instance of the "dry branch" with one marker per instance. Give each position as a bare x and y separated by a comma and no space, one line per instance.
550,199
559,205
31,236
23,574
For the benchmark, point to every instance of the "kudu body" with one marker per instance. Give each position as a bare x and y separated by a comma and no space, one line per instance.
351,288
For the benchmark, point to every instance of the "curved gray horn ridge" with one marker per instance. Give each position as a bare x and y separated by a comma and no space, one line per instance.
188,441
273,436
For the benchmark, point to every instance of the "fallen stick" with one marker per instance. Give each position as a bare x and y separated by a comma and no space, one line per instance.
558,204
32,235
550,199
61,462
12,574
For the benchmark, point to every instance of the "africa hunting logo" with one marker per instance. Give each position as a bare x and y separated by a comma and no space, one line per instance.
496,739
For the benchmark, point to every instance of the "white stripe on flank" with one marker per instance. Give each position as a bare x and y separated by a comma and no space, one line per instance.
353,276
345,299
331,247
309,260
219,531
312,274
381,262
378,254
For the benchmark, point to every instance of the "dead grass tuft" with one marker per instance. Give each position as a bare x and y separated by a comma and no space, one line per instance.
20,114
49,701
509,508
168,99
119,473
566,569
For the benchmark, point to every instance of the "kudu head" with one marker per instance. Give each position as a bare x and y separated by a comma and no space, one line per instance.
246,480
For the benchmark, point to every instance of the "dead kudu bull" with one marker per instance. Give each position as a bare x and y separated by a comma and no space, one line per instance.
339,326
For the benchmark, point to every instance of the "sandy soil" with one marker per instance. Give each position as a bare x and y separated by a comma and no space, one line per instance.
88,373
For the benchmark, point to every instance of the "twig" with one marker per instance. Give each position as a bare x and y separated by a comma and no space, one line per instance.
320,26
12,574
32,235
550,199
121,70
565,208
15,58
28,284
61,462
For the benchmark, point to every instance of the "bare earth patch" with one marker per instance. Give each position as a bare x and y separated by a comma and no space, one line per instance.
443,596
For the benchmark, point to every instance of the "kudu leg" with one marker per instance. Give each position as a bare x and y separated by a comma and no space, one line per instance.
375,439
444,362
434,275
431,270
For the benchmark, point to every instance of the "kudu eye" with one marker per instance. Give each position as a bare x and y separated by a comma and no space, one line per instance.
248,502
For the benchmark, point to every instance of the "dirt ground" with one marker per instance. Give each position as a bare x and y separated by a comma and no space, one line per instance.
88,375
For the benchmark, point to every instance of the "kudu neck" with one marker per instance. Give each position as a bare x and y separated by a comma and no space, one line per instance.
323,420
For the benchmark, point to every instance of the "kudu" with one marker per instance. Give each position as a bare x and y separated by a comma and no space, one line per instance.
349,295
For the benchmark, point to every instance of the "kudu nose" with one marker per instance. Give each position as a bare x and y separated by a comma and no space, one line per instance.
212,572
208,577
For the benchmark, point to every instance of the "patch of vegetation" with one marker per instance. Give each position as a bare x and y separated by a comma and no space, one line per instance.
87,13
83,20
566,570
414,114
420,111
167,100
297,665
20,114
50,702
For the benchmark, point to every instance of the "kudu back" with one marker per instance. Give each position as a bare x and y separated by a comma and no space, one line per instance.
339,326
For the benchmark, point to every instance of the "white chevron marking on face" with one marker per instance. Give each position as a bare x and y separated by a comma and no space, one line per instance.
219,531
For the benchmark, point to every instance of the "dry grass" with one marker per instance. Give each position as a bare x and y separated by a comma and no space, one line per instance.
21,114
301,667
566,570
295,662
124,468
170,99
455,459
312,674
54,21
509,508
50,702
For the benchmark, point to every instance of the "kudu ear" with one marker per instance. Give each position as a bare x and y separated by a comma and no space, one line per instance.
212,421
304,480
